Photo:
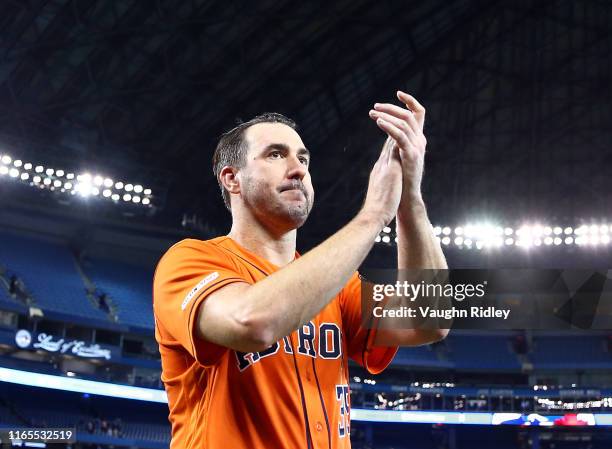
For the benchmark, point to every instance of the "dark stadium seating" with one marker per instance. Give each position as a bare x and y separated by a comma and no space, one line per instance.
486,352
8,419
140,421
9,301
49,273
129,288
420,356
563,352
494,352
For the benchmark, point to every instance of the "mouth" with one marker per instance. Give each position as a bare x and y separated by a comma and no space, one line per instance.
289,187
293,194
294,191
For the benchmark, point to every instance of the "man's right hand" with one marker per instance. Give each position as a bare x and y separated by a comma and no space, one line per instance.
385,185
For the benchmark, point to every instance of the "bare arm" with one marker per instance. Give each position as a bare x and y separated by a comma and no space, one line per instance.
252,317
416,249
416,244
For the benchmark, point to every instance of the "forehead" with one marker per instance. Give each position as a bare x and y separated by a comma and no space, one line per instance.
261,135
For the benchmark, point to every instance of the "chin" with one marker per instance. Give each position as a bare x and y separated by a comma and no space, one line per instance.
297,220
296,217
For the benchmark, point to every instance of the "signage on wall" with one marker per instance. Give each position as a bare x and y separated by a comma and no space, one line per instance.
25,340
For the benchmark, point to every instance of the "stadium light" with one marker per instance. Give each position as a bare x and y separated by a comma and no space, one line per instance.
85,184
484,236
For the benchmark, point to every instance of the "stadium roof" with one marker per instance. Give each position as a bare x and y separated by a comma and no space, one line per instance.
518,96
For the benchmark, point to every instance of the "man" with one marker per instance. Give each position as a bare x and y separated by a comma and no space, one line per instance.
254,338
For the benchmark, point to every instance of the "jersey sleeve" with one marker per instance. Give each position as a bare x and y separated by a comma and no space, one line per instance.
185,276
360,341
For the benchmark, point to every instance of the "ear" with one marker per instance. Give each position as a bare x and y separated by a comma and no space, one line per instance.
229,179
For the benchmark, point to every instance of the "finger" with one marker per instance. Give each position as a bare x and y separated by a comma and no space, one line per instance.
391,144
392,150
401,124
412,104
393,109
388,149
395,153
383,157
401,113
394,132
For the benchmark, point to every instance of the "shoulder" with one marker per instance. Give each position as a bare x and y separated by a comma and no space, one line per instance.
193,246
189,254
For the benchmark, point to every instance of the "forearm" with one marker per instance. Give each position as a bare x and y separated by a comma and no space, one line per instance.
290,297
417,247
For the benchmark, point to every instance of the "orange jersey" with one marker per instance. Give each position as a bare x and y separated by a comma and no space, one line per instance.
294,394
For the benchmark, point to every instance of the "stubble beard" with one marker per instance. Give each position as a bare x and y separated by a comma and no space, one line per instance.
268,206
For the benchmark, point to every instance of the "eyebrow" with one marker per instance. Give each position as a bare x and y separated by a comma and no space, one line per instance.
285,147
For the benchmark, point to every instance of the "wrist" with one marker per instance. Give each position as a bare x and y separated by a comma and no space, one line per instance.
411,209
371,219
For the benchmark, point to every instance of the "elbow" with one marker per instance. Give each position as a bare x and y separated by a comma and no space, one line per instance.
439,335
255,334
428,337
259,340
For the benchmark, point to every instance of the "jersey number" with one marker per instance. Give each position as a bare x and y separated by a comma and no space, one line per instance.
344,424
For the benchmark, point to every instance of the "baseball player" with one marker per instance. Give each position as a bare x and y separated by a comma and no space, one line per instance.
254,338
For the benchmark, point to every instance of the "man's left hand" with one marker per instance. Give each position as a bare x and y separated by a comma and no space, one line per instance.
404,127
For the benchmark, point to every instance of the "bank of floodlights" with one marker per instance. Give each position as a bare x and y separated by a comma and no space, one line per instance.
79,184
481,236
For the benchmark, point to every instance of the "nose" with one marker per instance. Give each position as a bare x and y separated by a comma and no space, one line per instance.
296,169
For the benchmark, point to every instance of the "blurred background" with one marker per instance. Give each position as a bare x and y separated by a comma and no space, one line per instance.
109,114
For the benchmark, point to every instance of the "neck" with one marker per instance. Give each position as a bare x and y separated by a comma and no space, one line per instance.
277,247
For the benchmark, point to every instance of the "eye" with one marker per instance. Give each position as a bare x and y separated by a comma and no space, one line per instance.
275,154
304,160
